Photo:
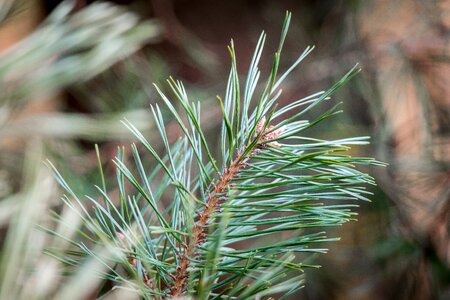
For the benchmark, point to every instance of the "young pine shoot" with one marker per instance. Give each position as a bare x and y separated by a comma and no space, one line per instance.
238,226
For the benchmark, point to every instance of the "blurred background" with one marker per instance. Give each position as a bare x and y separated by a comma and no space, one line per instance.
70,73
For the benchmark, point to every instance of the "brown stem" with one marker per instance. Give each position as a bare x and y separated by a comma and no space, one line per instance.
199,235
215,198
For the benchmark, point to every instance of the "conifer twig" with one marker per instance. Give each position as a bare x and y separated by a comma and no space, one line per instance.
273,181
215,198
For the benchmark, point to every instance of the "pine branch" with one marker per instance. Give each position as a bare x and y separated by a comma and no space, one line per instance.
213,203
273,181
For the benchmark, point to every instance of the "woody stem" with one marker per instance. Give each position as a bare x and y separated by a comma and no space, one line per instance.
215,199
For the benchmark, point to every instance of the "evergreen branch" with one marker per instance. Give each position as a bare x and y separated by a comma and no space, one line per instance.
215,199
177,228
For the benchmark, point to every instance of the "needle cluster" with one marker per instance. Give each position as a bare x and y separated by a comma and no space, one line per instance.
238,225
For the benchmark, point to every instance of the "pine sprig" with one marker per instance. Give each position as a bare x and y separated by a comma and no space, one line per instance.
218,236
